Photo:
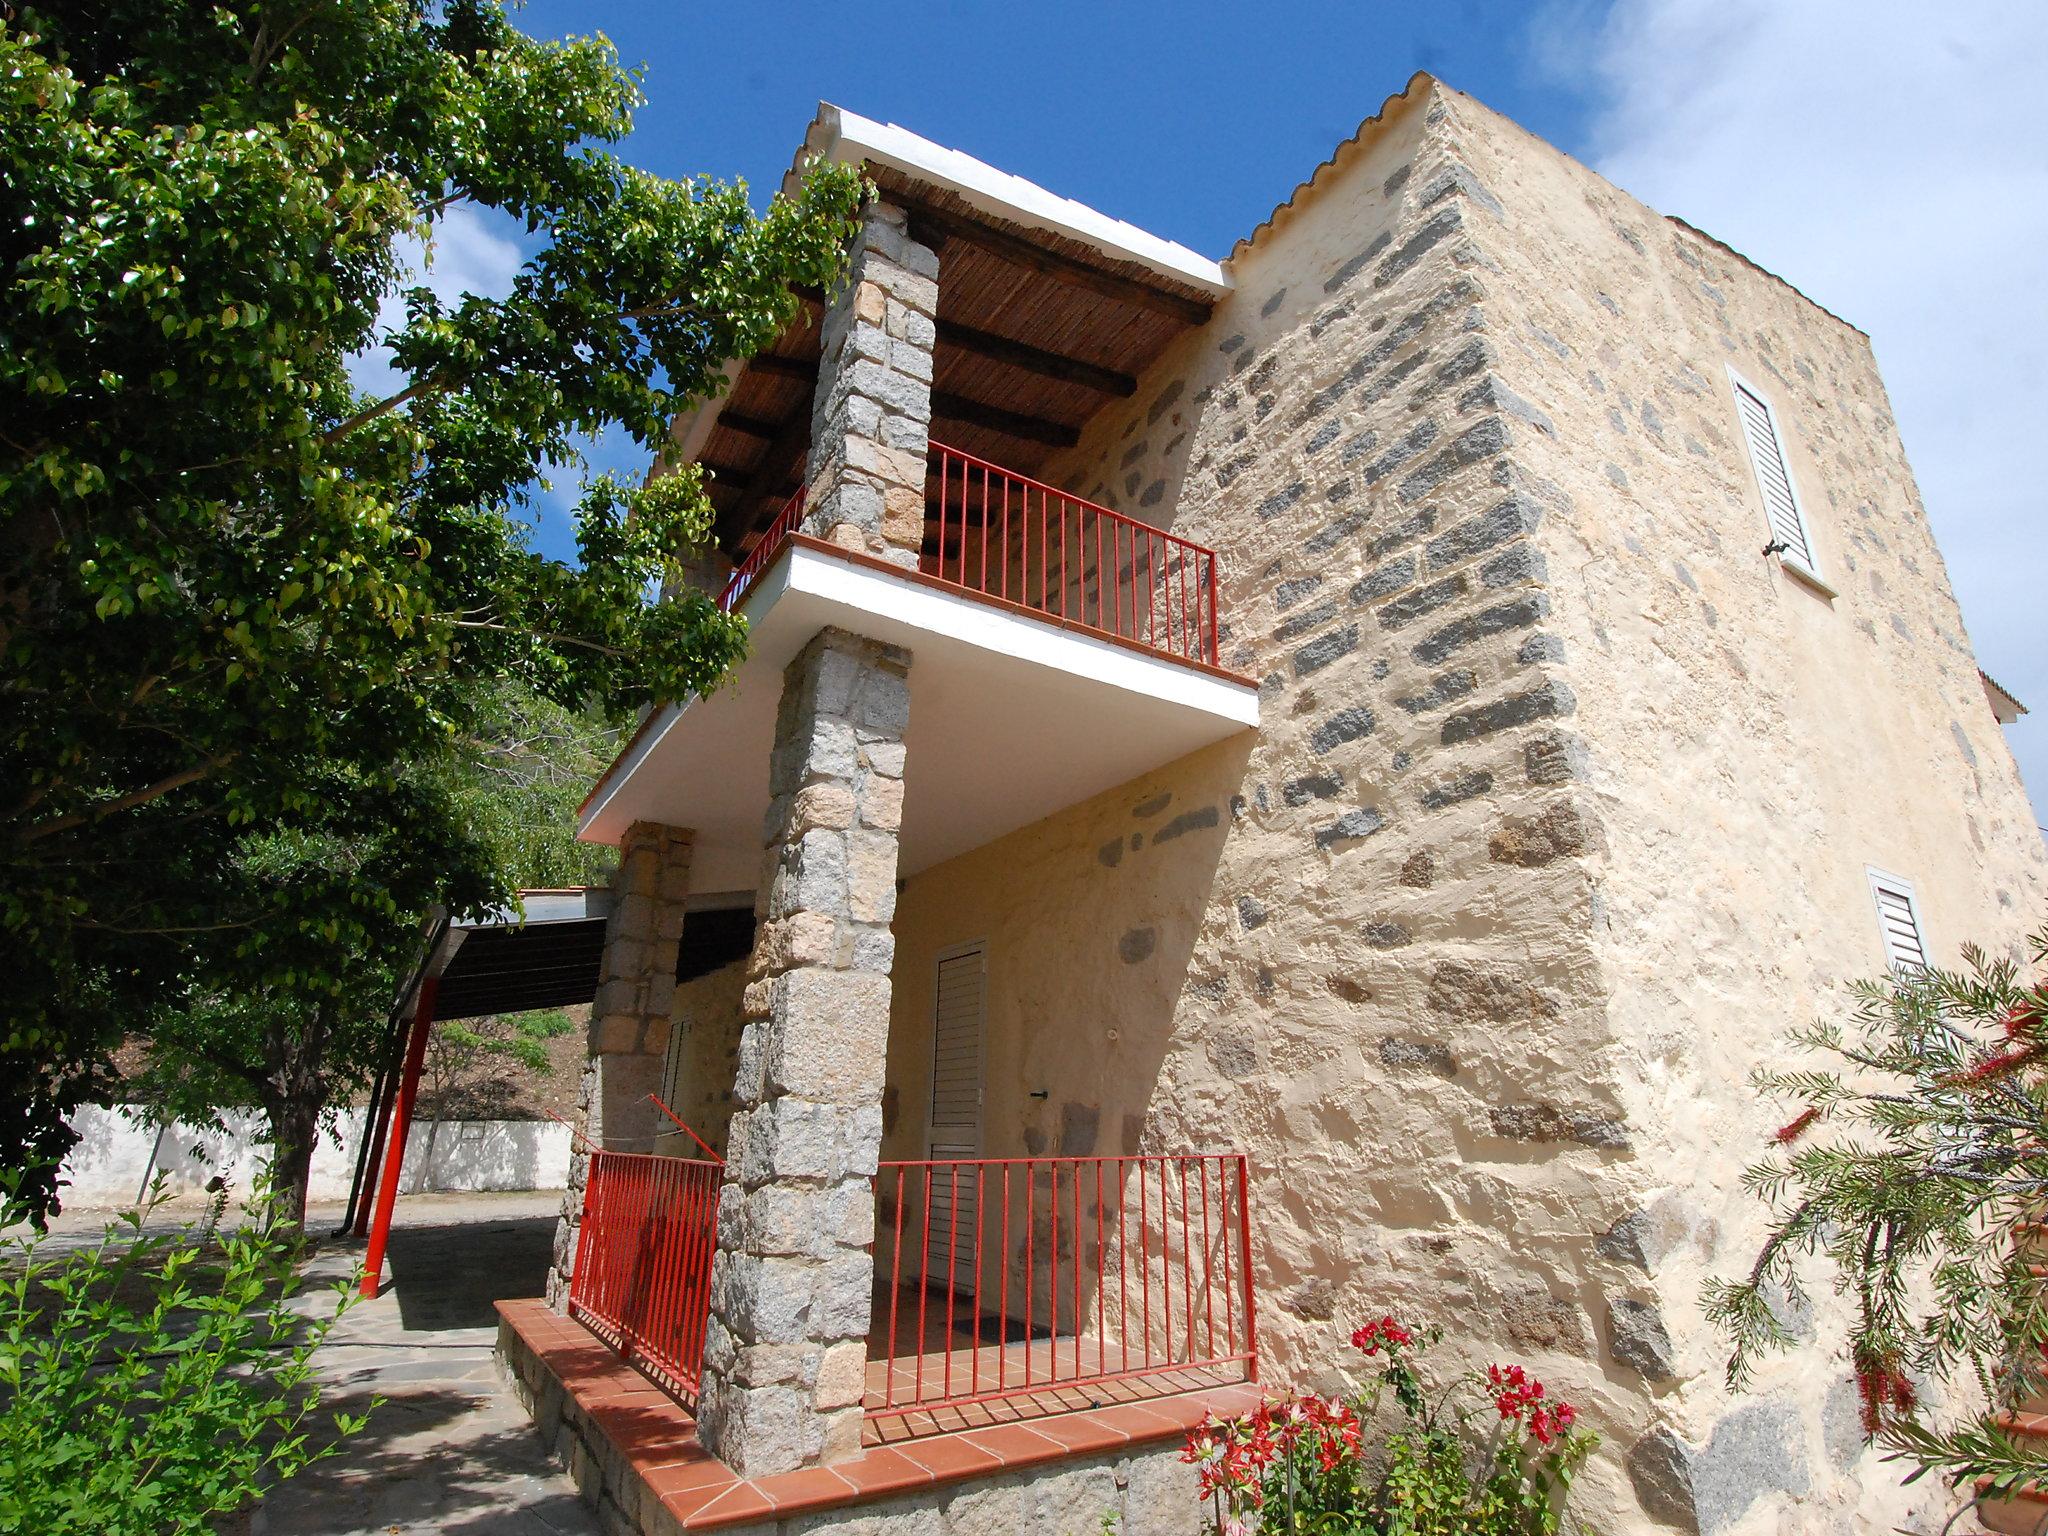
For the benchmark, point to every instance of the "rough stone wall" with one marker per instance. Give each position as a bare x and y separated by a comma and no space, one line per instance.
1558,811
785,1354
871,414
1358,946
629,1018
1750,744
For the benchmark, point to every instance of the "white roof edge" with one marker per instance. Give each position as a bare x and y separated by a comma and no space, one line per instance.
848,138
691,430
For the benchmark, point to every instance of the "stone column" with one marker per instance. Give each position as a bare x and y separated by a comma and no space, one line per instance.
786,1356
871,415
629,1020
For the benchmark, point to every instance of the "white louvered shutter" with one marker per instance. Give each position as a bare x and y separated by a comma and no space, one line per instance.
957,1040
1898,922
1773,475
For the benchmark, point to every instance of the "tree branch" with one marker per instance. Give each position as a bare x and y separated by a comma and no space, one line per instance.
127,802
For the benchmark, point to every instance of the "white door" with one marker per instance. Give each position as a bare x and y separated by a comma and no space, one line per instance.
960,1021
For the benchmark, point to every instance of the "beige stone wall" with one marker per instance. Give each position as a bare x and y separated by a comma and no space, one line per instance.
1361,952
1751,744
1557,815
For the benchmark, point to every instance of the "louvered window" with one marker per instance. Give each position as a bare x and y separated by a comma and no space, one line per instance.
960,1023
1898,922
1773,468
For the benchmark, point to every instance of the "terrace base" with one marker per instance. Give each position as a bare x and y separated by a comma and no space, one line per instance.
635,1458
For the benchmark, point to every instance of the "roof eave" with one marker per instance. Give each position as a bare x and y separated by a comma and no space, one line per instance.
847,138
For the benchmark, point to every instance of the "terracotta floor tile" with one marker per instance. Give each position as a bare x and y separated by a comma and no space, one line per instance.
702,1470
881,1470
1140,1421
811,1488
686,1503
946,1457
1080,1432
739,1503
1015,1445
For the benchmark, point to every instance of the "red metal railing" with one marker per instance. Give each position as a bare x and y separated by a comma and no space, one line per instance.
642,1280
785,523
1018,539
1000,1278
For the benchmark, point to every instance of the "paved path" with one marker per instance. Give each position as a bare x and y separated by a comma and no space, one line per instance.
449,1450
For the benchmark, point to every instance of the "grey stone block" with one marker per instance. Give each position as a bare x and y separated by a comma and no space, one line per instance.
1323,650
1757,1450
1637,1338
1345,725
1350,827
1549,699
1423,600
1495,526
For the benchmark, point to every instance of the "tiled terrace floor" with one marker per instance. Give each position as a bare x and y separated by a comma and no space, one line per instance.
985,1357
658,1439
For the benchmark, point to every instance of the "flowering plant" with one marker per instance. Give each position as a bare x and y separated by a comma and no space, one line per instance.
1485,1454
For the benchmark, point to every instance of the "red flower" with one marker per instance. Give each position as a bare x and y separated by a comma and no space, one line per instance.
1785,1135
1386,1331
2023,1017
1520,1398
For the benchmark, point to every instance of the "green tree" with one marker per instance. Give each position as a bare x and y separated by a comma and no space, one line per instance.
241,606
250,1035
474,1066
1915,1157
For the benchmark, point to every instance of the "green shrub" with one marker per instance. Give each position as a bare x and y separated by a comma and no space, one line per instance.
152,1382
1482,1454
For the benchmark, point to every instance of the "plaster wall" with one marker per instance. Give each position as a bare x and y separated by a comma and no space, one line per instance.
702,1059
118,1154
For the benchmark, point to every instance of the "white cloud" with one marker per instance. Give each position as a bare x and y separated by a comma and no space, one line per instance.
1887,157
474,251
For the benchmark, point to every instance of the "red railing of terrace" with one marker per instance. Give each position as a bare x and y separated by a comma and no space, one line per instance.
763,552
642,1280
1018,539
1004,1278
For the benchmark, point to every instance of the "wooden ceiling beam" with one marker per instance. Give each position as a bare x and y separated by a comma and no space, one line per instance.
935,226
749,426
803,368
1051,365
772,472
1032,429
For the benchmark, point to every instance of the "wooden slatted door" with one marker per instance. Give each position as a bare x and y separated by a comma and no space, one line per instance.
959,1025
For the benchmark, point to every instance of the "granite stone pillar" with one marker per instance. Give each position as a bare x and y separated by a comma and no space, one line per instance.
871,415
629,1019
786,1355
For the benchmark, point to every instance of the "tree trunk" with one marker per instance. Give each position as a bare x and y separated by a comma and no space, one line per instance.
298,1094
294,1132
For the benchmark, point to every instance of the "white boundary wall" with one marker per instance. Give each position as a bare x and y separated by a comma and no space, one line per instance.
110,1162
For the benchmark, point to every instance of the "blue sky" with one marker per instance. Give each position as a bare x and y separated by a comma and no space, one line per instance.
1885,156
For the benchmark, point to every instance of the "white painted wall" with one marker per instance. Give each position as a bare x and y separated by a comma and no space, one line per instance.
110,1162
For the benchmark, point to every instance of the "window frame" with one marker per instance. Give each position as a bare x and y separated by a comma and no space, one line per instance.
1808,568
1881,881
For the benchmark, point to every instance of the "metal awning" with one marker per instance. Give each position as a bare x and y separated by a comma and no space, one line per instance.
543,954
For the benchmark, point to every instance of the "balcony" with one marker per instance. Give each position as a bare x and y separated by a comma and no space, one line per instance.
1044,554
1005,1288
1061,648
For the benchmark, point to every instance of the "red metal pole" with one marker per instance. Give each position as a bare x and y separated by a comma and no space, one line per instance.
1211,635
375,1167
1244,1232
401,1128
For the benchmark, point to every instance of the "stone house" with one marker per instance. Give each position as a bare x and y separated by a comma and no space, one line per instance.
1267,791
